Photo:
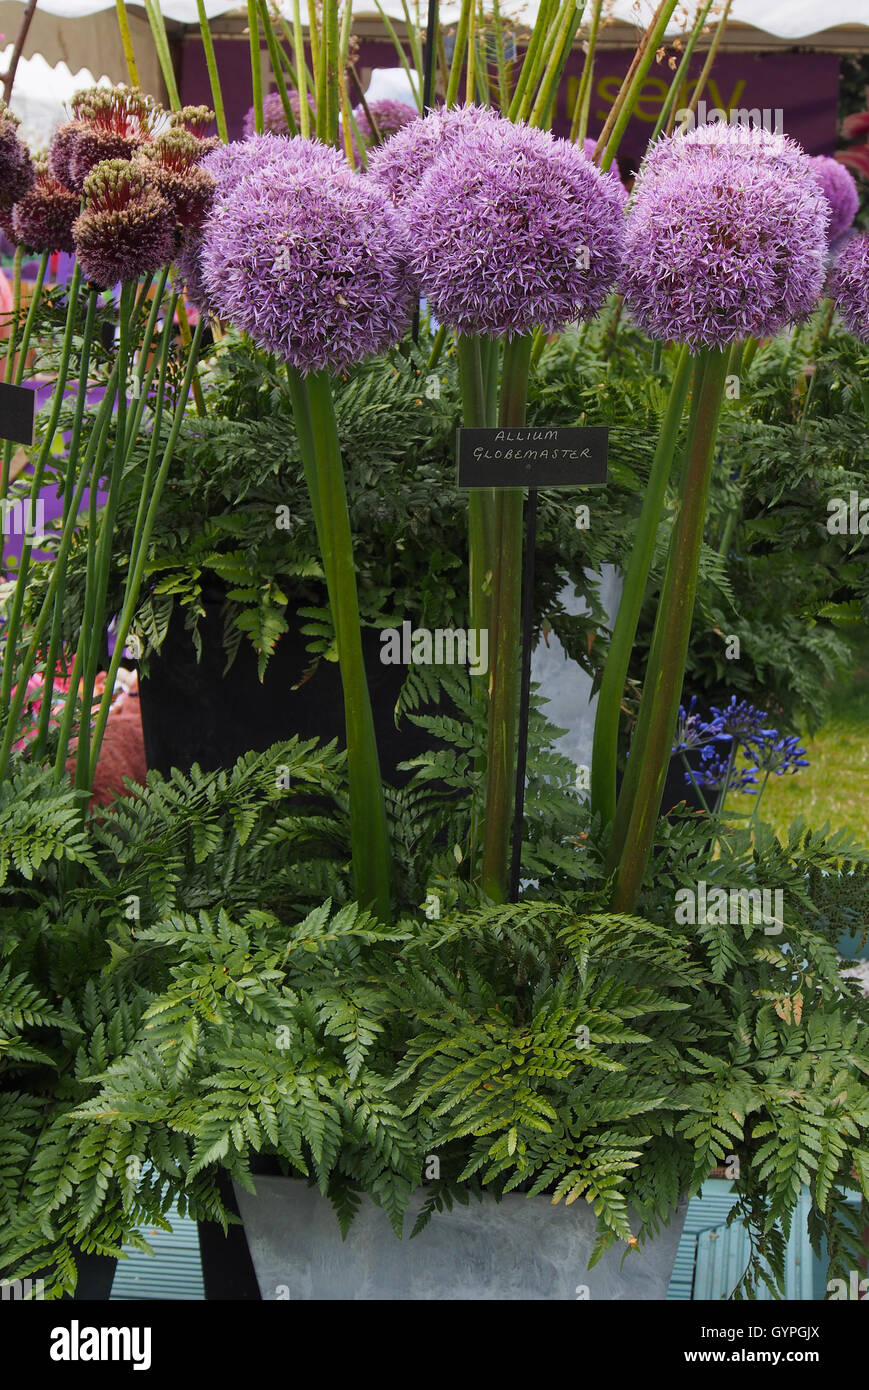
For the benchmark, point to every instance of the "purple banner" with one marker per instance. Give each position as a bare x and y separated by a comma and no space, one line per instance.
796,92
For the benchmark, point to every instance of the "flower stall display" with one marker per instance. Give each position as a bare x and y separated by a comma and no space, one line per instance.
301,981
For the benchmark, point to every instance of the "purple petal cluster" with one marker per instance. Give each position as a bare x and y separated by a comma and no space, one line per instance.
589,145
726,237
308,259
840,190
274,115
399,165
849,286
514,229
739,725
109,123
389,117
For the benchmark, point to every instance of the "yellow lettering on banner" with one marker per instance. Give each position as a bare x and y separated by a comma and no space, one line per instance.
717,98
648,107
608,88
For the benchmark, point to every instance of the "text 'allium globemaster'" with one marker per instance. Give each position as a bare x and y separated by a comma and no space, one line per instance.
513,229
849,286
309,259
726,237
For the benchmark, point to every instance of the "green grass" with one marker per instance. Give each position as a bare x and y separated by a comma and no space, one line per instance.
835,787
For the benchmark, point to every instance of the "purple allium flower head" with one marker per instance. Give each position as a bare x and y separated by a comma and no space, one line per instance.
274,115
849,286
389,117
310,260
399,165
43,218
726,237
840,190
16,166
589,145
126,229
513,228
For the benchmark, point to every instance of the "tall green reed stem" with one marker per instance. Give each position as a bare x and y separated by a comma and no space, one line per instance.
314,413
639,801
609,702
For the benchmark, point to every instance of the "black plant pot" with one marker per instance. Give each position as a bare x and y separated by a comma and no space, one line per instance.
194,713
96,1274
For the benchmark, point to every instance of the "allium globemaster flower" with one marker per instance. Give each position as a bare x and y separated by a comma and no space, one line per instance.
308,259
840,190
726,237
512,229
171,165
109,123
849,286
127,228
389,117
399,165
274,115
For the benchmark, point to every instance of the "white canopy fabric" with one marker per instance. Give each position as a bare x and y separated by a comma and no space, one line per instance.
787,19
40,95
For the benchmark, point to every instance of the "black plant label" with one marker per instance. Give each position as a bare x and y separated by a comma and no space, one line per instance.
547,456
17,413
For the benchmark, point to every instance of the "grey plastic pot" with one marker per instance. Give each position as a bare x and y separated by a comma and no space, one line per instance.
520,1248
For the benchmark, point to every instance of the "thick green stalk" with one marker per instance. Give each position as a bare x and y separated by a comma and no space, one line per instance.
459,52
301,71
164,52
277,67
14,621
58,569
213,74
33,308
609,700
626,101
127,43
415,87
256,72
568,22
93,629
532,63
54,645
504,642
669,103
710,57
152,491
321,451
640,798
12,340
481,501
579,124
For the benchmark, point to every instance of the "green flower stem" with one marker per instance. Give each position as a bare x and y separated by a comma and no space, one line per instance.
14,622
710,56
58,569
127,43
93,628
148,480
213,74
505,642
256,74
579,124
301,71
54,645
669,104
277,67
9,447
459,52
532,63
640,799
145,375
627,100
164,52
609,700
16,314
151,493
314,412
567,24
